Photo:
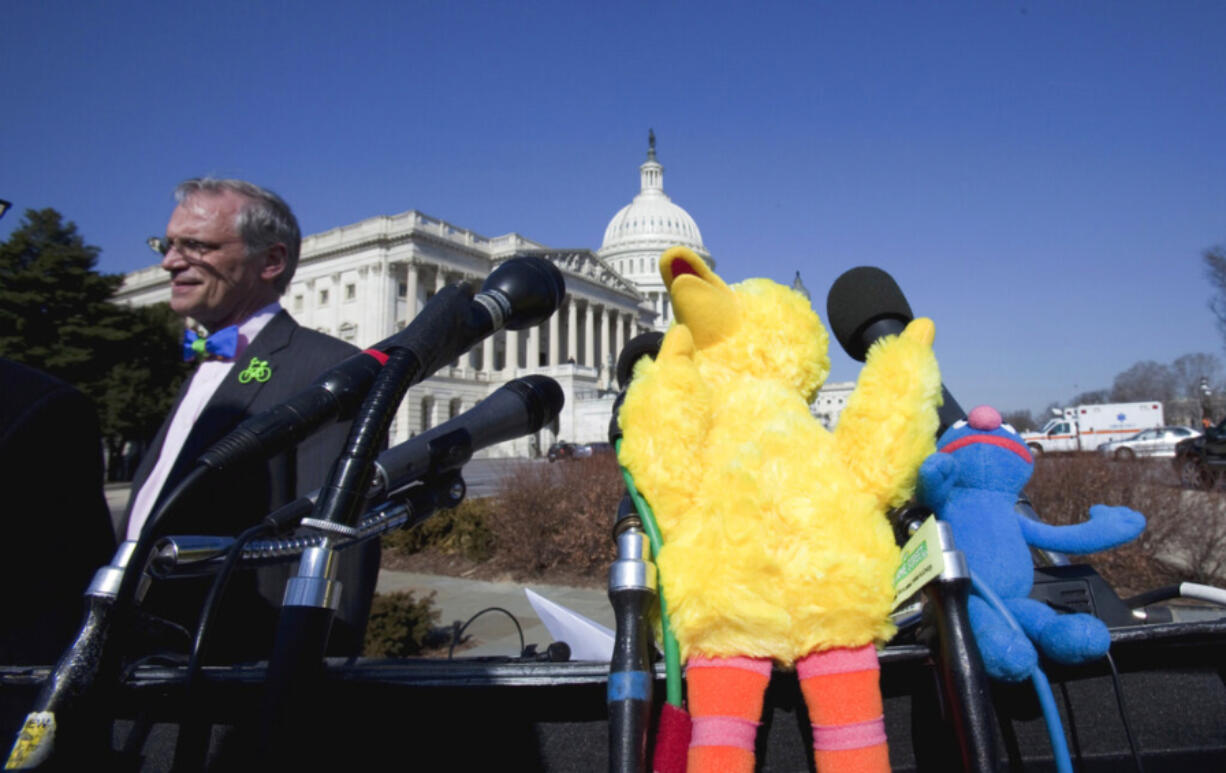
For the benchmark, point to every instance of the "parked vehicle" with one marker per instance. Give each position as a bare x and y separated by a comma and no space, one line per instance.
1201,461
564,450
1159,441
1086,427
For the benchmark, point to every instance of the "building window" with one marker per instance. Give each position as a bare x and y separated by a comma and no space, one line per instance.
351,292
323,297
348,331
402,289
297,303
427,407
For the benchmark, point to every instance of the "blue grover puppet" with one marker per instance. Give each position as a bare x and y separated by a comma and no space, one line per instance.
972,483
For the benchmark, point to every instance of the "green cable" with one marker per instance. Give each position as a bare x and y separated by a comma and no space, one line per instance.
672,653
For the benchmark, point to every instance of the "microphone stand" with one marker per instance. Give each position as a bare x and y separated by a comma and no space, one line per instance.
965,694
312,596
60,716
632,591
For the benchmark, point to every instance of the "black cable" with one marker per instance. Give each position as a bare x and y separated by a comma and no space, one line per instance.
190,746
164,658
455,639
209,609
1153,596
1119,699
148,535
1072,722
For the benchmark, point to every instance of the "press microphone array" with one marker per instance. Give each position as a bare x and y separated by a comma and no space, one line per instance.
520,407
520,293
312,595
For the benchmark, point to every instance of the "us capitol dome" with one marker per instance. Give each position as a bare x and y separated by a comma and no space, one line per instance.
644,228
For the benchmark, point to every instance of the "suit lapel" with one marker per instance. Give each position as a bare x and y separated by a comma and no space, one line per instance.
251,375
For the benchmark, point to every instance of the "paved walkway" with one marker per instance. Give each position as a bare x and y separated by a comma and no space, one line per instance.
493,633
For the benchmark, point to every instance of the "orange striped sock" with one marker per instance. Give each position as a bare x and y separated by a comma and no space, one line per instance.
843,692
725,700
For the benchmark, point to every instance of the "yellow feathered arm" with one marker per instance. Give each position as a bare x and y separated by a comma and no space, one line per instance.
889,424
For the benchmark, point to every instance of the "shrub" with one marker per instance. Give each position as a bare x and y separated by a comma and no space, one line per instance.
400,625
460,531
1185,535
550,517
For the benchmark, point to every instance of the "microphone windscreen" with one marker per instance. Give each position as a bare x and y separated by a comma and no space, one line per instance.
643,345
545,402
860,298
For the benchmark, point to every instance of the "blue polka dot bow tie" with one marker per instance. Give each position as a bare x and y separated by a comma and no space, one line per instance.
221,345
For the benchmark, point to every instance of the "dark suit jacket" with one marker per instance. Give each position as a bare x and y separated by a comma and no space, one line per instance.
229,502
57,528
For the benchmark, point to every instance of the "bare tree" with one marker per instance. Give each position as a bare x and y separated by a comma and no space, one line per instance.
1022,420
1093,397
1215,272
1191,369
1145,380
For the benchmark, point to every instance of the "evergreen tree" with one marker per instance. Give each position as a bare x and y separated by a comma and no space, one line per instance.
56,315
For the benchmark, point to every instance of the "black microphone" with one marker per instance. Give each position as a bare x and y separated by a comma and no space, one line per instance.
519,407
520,293
865,304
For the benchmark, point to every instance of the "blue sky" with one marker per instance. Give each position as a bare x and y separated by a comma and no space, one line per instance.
1041,178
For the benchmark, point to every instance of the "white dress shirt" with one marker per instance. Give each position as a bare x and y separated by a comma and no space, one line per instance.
203,386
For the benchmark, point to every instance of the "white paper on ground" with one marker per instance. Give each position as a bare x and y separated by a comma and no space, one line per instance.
588,639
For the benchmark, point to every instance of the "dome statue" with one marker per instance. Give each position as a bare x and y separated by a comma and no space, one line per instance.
644,228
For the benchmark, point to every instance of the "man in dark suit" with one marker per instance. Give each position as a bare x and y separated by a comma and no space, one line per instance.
231,249
57,526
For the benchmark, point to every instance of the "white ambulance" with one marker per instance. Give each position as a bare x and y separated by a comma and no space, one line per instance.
1086,427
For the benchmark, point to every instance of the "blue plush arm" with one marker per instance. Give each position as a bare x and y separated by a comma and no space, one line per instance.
1107,528
936,480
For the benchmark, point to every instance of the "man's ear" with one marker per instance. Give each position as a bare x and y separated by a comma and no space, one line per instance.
275,260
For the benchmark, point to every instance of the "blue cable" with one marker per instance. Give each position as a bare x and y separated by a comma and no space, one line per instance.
1042,688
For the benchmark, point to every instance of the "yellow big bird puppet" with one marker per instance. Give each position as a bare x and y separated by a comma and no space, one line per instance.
776,548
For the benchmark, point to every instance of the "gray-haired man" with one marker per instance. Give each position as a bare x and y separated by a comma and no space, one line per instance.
231,249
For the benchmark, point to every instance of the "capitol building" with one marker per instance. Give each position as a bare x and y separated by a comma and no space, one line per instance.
362,282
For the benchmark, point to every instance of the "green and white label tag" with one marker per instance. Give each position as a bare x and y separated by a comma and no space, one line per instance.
921,562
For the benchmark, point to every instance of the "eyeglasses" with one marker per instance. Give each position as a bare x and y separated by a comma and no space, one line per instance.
188,248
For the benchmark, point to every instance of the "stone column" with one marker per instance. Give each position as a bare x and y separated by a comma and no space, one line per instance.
440,280
411,294
487,354
387,316
572,329
555,350
610,318
512,359
620,334
589,336
533,359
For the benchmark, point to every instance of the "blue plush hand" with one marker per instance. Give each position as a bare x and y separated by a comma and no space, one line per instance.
1107,528
1118,524
936,479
